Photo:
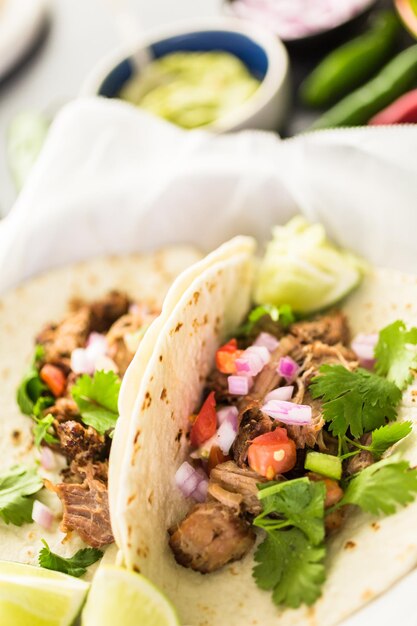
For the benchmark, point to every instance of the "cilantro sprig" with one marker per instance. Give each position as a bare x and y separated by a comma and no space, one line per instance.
396,353
382,487
290,559
357,401
96,398
74,566
42,430
16,486
32,391
383,438
282,314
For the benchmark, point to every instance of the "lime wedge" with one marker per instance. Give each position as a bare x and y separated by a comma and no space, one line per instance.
32,596
118,596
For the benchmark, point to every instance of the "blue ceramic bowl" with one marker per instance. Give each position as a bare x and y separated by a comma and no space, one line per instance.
262,53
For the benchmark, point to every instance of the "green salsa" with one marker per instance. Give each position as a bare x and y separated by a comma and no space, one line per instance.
191,89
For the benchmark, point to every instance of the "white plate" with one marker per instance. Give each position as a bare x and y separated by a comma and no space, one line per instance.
20,23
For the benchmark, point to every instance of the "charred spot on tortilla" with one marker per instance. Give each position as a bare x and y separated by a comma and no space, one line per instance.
137,435
178,435
16,436
375,526
176,329
131,498
149,497
196,296
147,401
350,545
161,358
163,394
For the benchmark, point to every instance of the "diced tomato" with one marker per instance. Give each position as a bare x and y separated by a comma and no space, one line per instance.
334,492
272,453
54,378
216,457
226,356
205,424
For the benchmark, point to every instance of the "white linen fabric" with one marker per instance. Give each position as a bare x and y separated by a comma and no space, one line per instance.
112,179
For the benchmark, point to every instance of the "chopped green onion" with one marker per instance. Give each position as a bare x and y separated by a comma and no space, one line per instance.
324,464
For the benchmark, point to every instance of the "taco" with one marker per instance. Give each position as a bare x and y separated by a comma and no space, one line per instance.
267,477
67,338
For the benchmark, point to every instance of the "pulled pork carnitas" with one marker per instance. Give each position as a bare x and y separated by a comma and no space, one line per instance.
96,337
238,443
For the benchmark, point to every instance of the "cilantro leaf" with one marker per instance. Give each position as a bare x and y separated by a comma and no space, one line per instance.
298,502
291,566
396,353
97,399
15,485
359,401
31,387
283,314
41,430
74,566
382,487
386,436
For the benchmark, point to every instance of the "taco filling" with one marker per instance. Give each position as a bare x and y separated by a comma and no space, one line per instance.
291,434
71,392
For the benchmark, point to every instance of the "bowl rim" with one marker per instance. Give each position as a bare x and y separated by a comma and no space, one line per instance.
270,85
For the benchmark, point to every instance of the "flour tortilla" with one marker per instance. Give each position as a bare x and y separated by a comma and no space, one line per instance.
23,312
366,558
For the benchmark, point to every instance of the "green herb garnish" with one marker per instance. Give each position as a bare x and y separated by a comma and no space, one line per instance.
382,487
282,314
31,387
97,398
290,559
16,485
74,566
41,430
396,353
359,401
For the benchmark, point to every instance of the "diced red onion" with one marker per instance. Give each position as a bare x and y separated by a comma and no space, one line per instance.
253,360
364,348
106,364
288,412
287,368
188,479
239,385
96,345
81,363
226,435
267,341
134,309
280,393
292,19
200,494
42,515
228,414
48,460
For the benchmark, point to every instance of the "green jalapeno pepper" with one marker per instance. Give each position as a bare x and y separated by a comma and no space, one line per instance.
352,64
393,80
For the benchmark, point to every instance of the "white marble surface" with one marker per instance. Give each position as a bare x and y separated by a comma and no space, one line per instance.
81,32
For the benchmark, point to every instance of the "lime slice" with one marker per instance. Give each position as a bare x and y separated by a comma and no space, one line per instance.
32,596
119,596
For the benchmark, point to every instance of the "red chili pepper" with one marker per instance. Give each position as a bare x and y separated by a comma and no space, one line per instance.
205,424
402,111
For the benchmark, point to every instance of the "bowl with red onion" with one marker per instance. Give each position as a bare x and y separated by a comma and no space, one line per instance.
295,21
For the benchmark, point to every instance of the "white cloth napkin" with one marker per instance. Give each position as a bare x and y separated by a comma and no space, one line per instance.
112,179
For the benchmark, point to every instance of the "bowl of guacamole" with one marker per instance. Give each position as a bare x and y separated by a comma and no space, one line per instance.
220,74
